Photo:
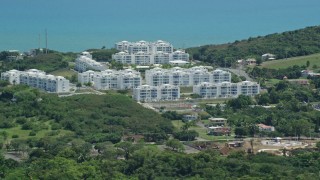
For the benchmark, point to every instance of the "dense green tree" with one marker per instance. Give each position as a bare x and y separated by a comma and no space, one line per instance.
175,145
127,148
241,102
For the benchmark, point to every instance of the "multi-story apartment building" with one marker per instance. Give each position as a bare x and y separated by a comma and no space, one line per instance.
249,88
141,46
179,77
161,57
105,80
226,89
86,77
142,58
122,46
124,57
13,76
179,55
142,52
37,79
164,92
85,62
185,77
162,46
111,79
144,46
129,79
218,76
157,77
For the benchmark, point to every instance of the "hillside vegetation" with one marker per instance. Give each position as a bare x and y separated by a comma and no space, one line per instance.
284,45
102,54
313,59
45,62
93,118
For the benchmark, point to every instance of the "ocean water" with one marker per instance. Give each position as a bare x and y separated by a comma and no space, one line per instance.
76,25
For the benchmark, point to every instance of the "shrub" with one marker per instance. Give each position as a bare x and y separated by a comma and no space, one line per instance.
21,120
15,136
32,133
55,126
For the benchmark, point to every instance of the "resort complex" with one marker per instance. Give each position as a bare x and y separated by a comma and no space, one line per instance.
164,84
145,53
37,79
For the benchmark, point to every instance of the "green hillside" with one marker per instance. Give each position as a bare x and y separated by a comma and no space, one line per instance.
313,59
94,118
284,45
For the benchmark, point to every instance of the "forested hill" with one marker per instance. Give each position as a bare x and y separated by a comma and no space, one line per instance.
288,44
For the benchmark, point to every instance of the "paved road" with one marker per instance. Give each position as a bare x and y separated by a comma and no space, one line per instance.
239,72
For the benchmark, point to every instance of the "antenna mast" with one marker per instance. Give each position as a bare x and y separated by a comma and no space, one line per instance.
39,41
46,42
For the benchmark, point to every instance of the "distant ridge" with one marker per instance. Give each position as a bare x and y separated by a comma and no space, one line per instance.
284,45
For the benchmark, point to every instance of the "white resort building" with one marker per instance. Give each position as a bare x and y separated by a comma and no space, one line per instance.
226,89
165,92
37,79
85,62
145,53
111,79
185,77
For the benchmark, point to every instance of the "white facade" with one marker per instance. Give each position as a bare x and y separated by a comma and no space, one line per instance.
226,89
86,77
13,76
185,77
218,76
164,92
122,46
249,88
162,46
124,57
111,79
37,79
157,77
85,62
179,55
144,53
144,46
161,57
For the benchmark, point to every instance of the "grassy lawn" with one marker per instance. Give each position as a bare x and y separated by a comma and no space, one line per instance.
202,132
186,89
84,90
24,134
284,63
64,72
272,82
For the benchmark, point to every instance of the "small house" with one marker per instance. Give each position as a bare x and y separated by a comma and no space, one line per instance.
251,62
268,56
219,131
235,144
217,121
263,127
190,117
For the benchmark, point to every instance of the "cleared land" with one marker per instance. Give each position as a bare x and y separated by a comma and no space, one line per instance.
284,63
202,132
64,72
